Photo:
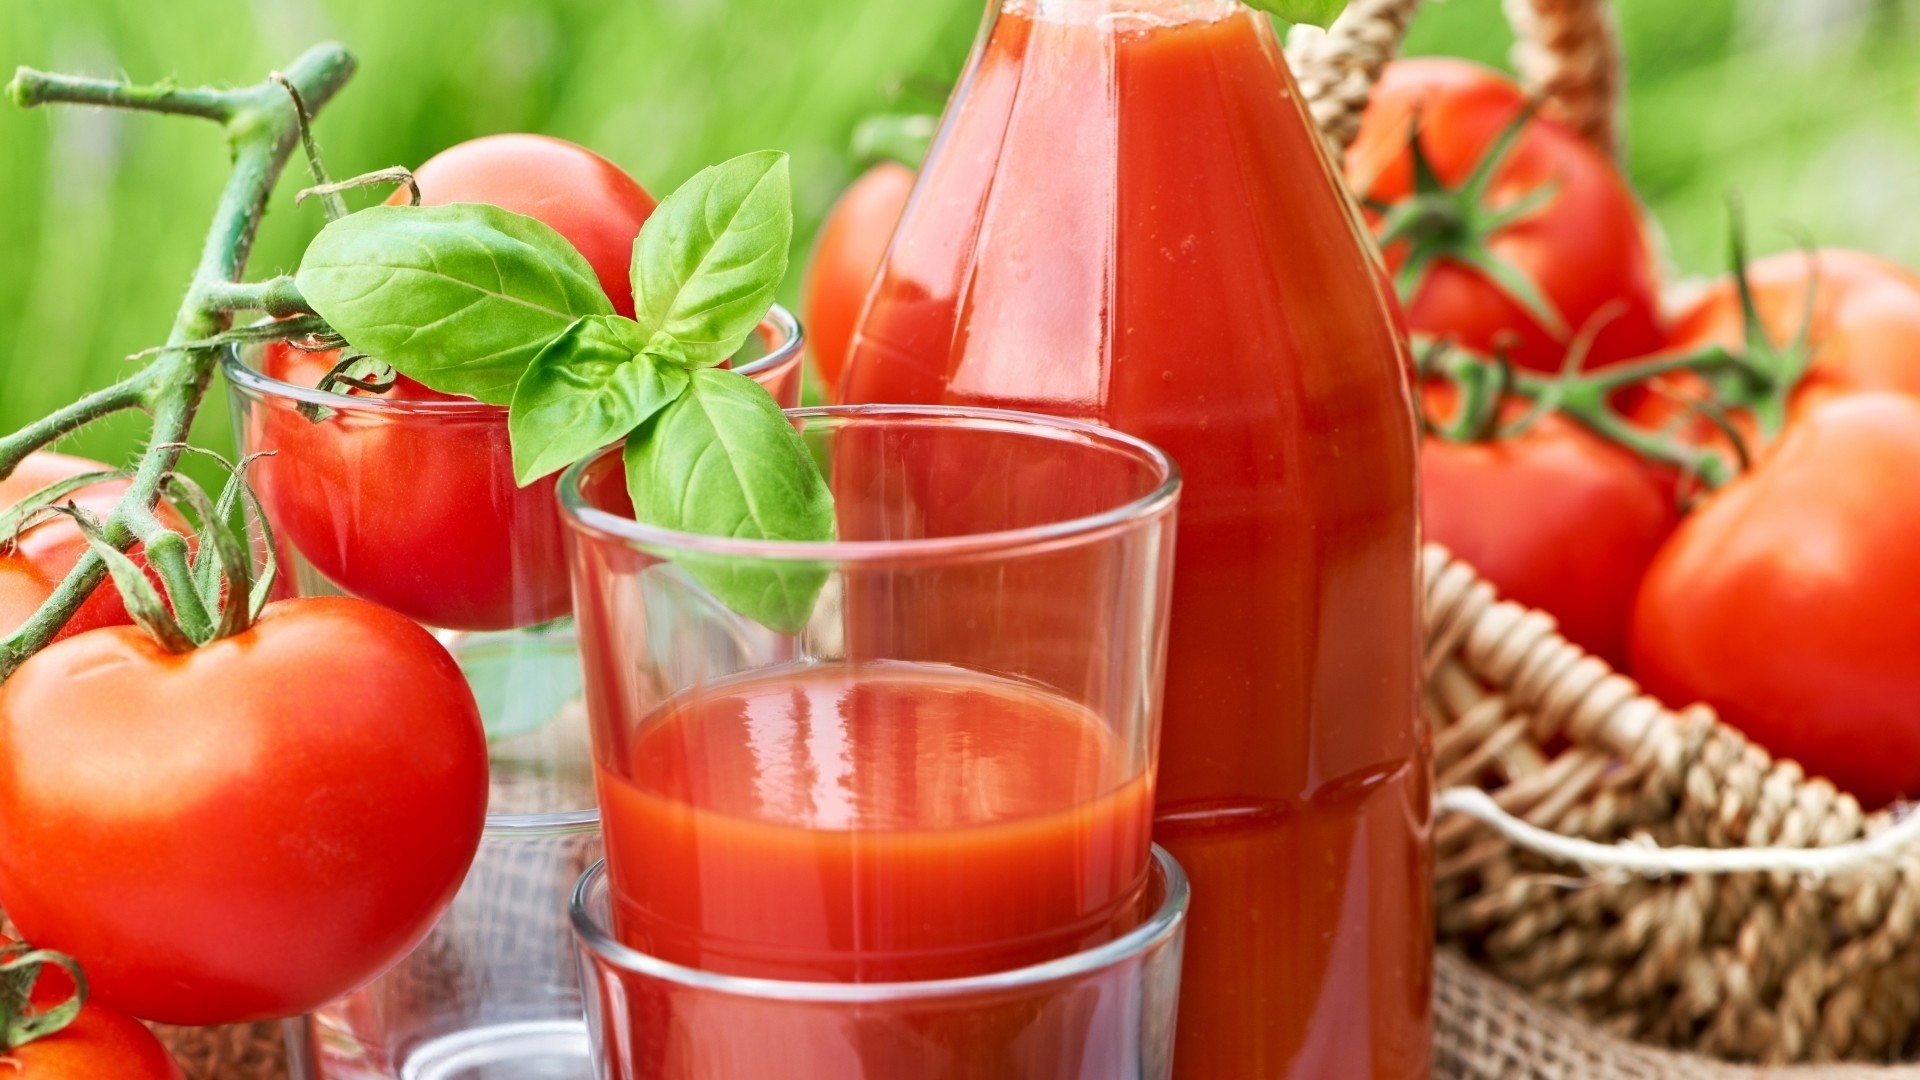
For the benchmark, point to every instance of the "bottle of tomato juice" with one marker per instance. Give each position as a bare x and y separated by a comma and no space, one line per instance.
1128,217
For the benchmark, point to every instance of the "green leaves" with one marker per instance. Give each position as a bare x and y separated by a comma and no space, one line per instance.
460,297
707,263
474,300
1316,12
722,460
595,383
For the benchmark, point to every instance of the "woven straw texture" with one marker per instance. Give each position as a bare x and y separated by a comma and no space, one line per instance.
1751,967
1567,52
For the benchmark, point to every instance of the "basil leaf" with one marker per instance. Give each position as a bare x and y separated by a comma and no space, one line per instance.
1314,12
459,297
723,460
592,386
706,264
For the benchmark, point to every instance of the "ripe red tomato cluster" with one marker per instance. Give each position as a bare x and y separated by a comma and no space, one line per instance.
1785,599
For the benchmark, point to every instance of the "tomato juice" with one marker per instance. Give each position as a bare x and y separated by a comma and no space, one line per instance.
1129,218
871,823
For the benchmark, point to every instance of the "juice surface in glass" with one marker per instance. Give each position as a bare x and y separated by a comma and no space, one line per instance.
882,822
1128,218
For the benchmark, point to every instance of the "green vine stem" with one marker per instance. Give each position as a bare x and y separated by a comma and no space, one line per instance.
20,1021
1587,398
263,127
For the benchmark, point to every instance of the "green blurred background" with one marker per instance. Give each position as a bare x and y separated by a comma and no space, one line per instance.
1810,109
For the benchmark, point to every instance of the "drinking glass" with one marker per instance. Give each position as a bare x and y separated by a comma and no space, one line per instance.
493,992
926,748
1101,1014
413,504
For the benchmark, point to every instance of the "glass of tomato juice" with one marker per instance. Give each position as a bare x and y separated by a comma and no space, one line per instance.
410,501
1102,1013
935,763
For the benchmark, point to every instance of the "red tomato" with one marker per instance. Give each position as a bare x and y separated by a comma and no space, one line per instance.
1787,601
245,831
846,257
1865,331
417,509
1866,317
48,551
1584,249
574,191
99,1043
414,508
1557,518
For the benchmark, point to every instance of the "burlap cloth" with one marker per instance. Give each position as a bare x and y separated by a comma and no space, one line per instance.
1487,1030
1484,1030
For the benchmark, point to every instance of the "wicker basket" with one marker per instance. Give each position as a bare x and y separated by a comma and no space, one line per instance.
1771,968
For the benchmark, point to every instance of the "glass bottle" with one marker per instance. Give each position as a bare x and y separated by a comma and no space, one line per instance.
1128,217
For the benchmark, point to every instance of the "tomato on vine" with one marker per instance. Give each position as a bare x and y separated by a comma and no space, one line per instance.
1505,230
1786,601
245,830
49,1031
239,809
1555,516
1805,326
49,546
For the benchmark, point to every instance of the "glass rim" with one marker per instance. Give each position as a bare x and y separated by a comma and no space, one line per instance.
246,377
1154,931
583,517
543,823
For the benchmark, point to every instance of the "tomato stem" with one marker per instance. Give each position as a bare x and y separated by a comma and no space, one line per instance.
393,174
329,197
38,506
278,297
900,137
31,88
263,127
168,554
20,1022
1775,371
1439,224
69,418
1586,397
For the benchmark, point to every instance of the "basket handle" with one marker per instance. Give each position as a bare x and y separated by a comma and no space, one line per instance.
1567,51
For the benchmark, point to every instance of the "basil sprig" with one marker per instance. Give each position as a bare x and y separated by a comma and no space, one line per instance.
474,300
460,298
